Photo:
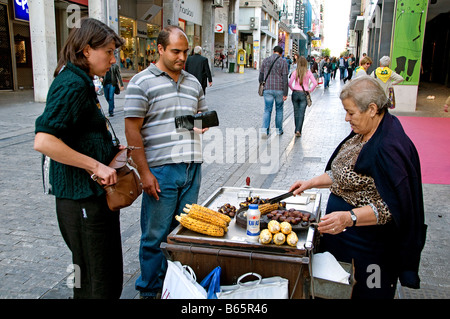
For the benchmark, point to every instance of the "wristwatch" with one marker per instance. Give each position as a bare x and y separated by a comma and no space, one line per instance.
353,216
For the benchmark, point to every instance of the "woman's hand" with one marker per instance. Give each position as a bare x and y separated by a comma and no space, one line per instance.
107,175
335,222
299,186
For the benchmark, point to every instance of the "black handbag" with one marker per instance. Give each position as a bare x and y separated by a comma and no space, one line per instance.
262,84
199,120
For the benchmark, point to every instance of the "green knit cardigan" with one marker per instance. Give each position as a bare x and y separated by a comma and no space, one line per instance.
72,114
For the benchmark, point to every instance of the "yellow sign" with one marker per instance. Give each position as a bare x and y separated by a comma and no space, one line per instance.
316,43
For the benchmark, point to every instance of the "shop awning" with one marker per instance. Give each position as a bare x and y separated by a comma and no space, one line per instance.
298,33
359,23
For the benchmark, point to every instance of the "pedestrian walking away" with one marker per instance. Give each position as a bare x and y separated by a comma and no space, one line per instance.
275,89
387,78
72,131
375,211
342,67
169,161
112,84
198,66
333,68
315,71
350,67
300,79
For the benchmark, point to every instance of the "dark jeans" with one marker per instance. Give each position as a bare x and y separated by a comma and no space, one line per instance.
109,96
350,73
179,184
342,72
326,80
92,233
299,104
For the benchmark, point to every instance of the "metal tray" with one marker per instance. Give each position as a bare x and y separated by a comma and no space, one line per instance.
236,237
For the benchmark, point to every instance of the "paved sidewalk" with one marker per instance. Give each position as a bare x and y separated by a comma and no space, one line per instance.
34,258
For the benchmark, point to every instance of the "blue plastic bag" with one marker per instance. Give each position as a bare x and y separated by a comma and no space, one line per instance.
211,283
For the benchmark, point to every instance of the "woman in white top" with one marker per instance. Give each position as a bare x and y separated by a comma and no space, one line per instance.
299,81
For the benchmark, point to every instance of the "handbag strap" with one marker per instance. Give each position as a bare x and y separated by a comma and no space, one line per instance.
304,92
270,69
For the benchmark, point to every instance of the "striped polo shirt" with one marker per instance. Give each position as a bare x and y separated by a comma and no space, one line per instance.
153,95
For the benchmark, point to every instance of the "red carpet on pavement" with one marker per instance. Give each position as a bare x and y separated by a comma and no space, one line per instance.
431,136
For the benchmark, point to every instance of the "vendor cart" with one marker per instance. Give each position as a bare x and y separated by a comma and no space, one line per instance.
236,256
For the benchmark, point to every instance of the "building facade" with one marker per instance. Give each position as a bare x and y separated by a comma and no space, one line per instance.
33,32
415,34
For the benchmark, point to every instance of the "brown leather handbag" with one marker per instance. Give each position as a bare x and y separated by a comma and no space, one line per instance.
128,187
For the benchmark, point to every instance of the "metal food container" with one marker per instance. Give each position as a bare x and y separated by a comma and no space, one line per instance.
327,289
236,255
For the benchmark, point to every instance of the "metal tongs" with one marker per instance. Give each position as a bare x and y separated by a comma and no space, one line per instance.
280,197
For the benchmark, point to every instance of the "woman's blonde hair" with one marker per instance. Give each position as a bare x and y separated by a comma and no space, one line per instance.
302,68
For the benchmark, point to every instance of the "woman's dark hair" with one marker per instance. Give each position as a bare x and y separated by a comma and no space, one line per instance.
91,32
164,35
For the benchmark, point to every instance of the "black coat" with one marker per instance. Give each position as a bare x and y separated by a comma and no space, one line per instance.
198,66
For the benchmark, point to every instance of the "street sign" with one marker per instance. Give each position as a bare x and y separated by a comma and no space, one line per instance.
21,10
218,28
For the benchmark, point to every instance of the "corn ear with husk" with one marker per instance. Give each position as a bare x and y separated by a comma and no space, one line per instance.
196,213
200,208
200,226
267,208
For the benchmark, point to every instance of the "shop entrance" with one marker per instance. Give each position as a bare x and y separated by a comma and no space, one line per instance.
6,80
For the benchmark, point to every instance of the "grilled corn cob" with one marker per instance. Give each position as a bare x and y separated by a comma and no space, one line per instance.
292,239
267,208
279,238
226,218
286,228
196,213
200,226
265,237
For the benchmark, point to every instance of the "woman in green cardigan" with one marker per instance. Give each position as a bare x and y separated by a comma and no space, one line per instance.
72,131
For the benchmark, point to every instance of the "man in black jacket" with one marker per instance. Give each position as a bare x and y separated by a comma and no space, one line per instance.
198,66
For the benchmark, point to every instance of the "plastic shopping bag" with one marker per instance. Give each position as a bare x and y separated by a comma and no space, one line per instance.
212,282
181,283
267,288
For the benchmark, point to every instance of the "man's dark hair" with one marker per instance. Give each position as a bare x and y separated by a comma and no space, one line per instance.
278,49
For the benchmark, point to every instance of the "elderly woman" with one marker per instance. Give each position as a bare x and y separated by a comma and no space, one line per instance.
375,213
387,78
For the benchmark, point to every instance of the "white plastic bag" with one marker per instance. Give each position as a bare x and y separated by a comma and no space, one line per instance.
181,283
325,266
267,288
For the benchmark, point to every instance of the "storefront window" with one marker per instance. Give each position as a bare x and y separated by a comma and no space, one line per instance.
128,52
193,32
151,47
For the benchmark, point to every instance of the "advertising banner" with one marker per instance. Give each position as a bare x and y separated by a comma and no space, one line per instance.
409,31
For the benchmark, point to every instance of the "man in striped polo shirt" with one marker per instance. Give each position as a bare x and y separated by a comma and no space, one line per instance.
168,160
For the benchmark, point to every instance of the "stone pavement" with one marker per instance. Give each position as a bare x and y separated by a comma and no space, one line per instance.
34,258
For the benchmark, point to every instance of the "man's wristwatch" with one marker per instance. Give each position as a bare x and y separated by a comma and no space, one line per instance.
353,217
